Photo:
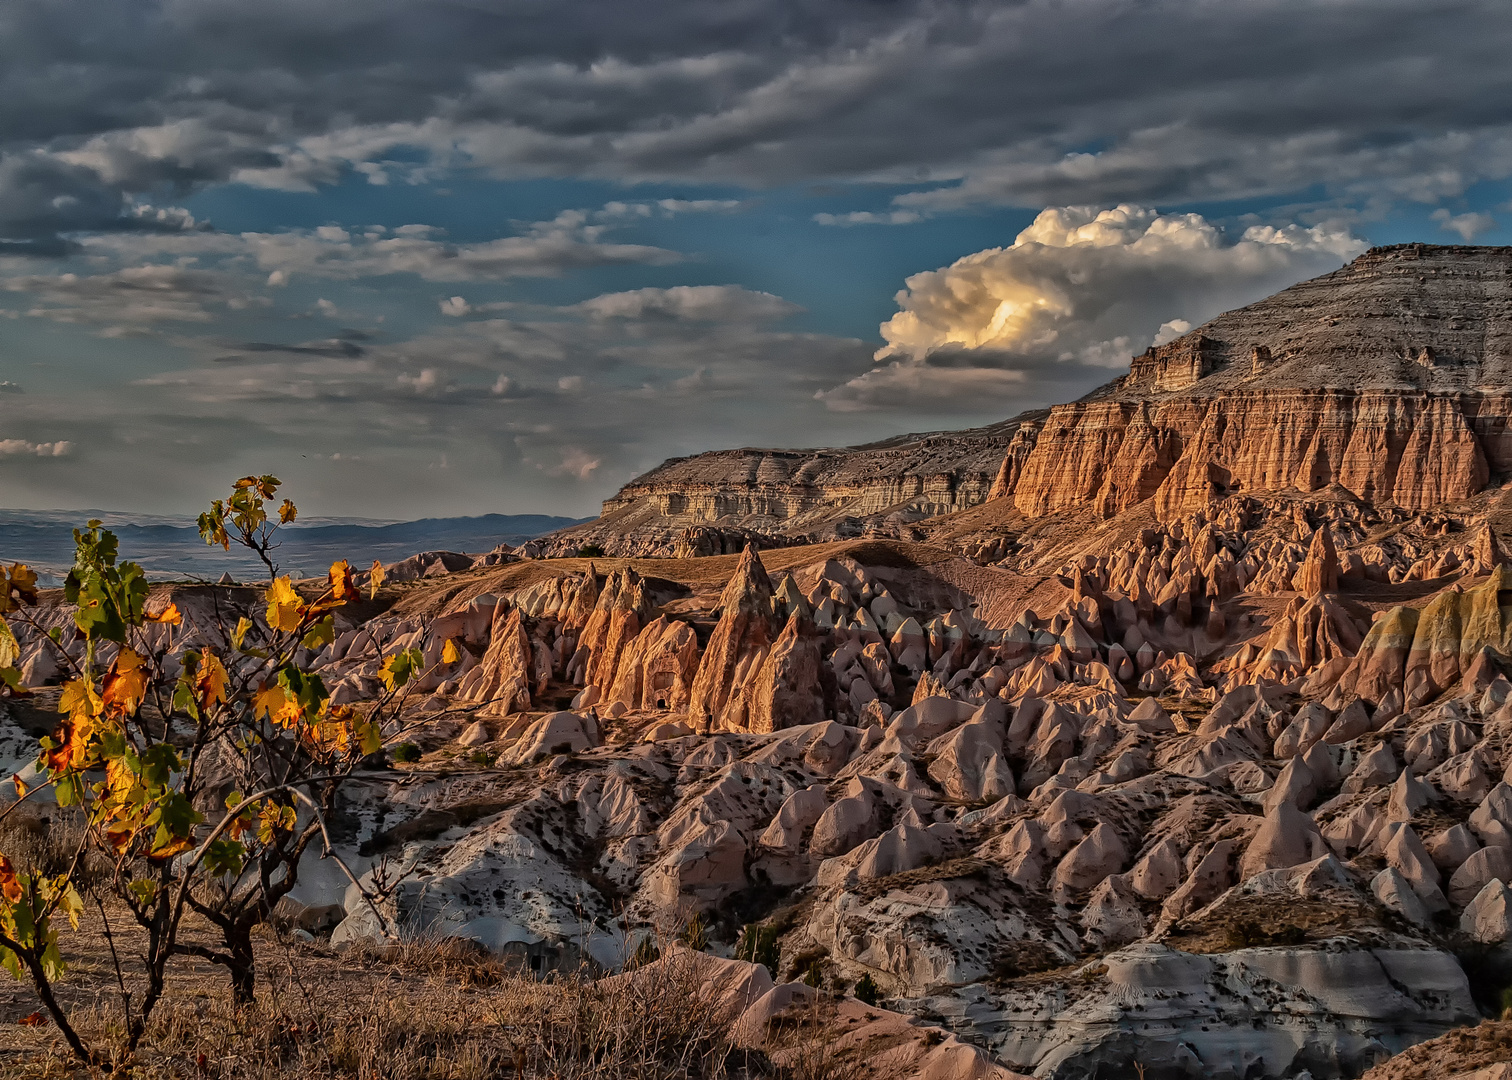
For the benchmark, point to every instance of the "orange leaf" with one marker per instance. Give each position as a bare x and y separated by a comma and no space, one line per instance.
343,586
269,701
209,681
169,615
375,578
10,885
125,684
34,1019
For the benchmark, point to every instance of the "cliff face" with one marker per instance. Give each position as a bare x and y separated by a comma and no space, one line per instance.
1410,447
1391,378
1388,377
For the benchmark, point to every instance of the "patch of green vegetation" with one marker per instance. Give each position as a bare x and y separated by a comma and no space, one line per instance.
758,945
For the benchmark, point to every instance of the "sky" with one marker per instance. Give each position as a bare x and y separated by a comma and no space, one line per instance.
458,257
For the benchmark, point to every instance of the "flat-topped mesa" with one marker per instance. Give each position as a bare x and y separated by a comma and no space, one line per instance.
718,502
1391,377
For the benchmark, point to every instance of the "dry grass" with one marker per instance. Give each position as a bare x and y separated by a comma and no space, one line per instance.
422,1011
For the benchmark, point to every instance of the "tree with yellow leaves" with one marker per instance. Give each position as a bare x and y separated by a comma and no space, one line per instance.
150,739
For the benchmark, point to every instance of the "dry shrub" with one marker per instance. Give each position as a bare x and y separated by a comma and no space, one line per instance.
803,1044
45,839
655,1024
443,1010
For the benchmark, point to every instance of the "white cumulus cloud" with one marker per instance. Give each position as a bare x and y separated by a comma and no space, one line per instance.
1081,288
1469,226
22,448
702,303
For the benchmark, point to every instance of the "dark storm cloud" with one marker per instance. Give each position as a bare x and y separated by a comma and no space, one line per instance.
102,101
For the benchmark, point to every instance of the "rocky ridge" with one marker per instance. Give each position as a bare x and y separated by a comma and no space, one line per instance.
1388,379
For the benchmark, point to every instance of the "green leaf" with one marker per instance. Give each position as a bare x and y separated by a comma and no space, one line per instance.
322,633
159,762
369,736
401,667
12,678
10,649
112,744
225,857
178,815
305,688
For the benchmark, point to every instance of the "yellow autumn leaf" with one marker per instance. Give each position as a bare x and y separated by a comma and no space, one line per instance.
169,616
287,512
79,699
290,715
10,648
343,586
375,578
269,701
449,655
285,607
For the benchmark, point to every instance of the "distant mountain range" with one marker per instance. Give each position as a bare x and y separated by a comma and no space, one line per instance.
170,548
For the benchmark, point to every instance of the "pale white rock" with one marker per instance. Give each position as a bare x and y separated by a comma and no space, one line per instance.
1488,917
968,762
1295,785
1212,874
1112,916
1408,796
671,729
704,868
475,734
554,733
1394,892
1463,777
846,822
798,814
1150,717
1450,848
1377,768
927,719
1487,864
1260,1013
1492,819
1405,853
906,846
